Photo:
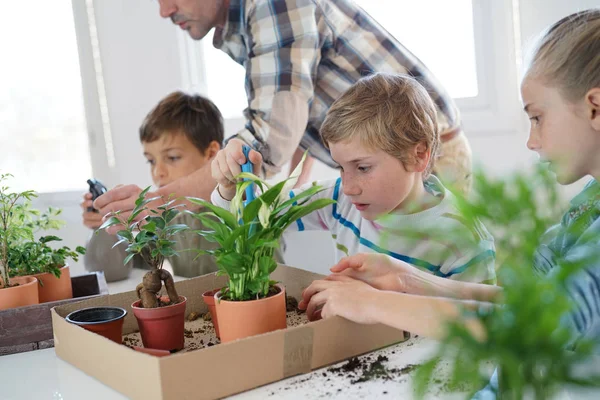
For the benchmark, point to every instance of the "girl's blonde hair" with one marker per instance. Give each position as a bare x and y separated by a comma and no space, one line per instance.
390,112
567,56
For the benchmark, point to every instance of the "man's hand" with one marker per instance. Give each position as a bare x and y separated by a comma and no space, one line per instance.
122,198
228,164
378,270
91,219
347,298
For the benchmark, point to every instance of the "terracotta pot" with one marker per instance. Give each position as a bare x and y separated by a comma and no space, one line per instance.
240,319
162,327
105,321
209,300
24,294
52,288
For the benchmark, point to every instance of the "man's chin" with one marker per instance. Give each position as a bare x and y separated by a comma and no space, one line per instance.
196,34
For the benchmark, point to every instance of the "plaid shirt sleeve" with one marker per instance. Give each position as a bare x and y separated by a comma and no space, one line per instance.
283,56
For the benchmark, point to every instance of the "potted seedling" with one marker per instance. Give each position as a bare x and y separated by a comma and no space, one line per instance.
524,338
160,318
248,234
38,259
21,291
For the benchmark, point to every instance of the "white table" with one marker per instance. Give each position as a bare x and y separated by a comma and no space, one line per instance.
42,375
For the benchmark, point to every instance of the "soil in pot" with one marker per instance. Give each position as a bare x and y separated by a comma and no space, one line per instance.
199,331
162,327
22,292
240,319
105,321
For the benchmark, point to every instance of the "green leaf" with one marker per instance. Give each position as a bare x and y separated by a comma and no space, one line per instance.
125,234
297,212
221,213
174,229
110,222
304,195
128,258
272,194
150,226
251,210
234,263
47,239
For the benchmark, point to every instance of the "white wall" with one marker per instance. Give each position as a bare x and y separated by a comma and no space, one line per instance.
140,56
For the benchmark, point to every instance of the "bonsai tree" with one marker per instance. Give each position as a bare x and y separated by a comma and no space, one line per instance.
523,336
13,218
150,238
21,253
250,231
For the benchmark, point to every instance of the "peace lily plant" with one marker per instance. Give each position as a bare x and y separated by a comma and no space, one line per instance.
249,232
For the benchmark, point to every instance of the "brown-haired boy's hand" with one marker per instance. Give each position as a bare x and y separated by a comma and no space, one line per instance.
122,198
91,219
227,164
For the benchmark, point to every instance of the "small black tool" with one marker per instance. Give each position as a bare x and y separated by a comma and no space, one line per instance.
96,189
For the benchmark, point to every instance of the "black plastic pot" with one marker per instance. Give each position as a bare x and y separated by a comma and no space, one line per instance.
105,321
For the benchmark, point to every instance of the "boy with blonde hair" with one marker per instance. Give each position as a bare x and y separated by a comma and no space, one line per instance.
383,133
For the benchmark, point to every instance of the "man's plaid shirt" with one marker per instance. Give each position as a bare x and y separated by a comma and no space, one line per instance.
314,50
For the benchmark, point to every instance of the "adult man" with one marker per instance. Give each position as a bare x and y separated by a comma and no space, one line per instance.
299,56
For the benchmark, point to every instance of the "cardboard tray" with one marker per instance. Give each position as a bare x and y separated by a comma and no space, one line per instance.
216,371
30,328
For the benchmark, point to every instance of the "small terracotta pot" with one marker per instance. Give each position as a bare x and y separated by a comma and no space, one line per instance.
240,319
162,327
105,321
24,294
52,288
209,300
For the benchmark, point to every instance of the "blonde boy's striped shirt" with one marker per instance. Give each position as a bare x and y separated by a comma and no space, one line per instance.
438,240
301,55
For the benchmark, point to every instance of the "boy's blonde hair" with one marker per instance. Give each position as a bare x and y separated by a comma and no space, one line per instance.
390,112
567,56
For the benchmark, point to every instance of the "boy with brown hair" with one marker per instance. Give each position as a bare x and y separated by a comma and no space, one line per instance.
181,135
383,133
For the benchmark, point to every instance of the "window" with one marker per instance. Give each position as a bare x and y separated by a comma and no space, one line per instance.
43,137
469,45
438,32
226,80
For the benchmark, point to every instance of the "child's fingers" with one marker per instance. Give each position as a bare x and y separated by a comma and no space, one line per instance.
314,288
221,172
255,157
339,278
315,304
233,165
354,262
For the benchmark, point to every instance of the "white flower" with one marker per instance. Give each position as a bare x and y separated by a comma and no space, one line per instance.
292,180
263,215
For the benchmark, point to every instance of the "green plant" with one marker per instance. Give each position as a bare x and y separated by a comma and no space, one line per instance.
524,337
151,238
35,257
13,219
249,234
21,252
